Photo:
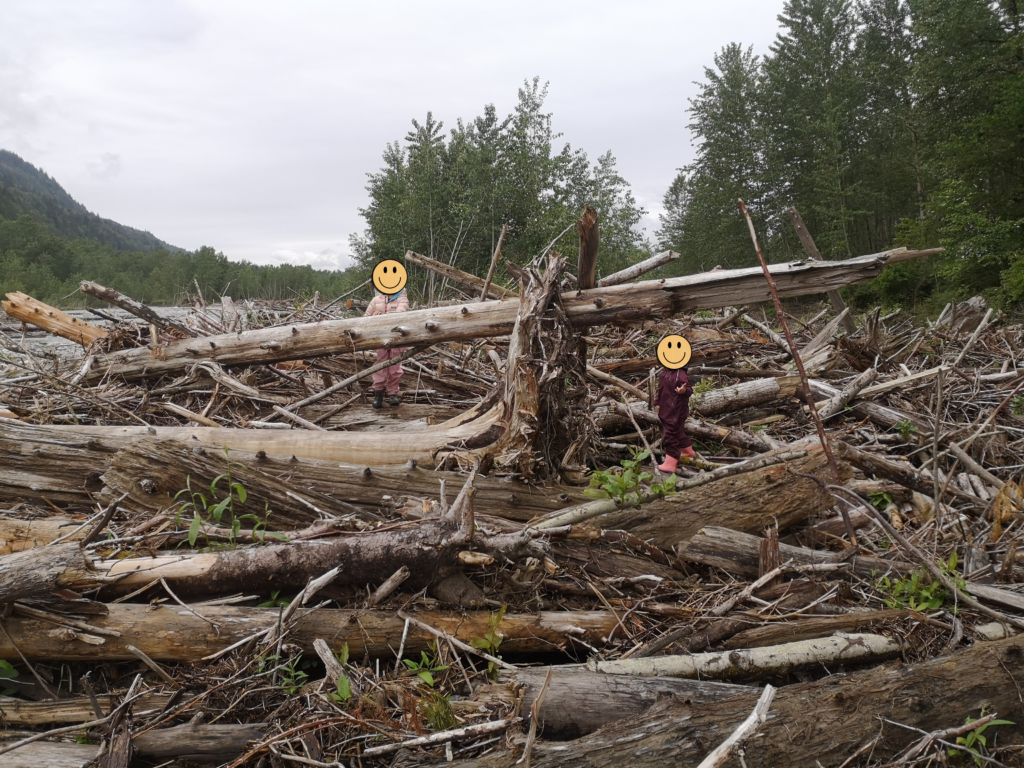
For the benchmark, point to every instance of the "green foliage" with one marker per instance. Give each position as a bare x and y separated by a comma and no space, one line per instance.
343,691
447,196
437,710
7,672
880,500
918,591
886,123
491,641
704,385
426,666
275,601
1017,405
906,429
974,743
628,484
292,676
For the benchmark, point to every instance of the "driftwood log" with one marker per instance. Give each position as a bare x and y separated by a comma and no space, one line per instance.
23,307
810,724
650,299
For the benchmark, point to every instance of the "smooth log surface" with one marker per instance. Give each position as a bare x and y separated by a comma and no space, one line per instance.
810,724
170,633
744,502
198,743
42,754
77,710
19,535
23,307
743,395
645,300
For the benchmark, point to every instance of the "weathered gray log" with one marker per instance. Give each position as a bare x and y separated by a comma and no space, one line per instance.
197,743
812,250
834,405
578,702
833,717
743,395
173,634
77,710
746,502
42,570
650,299
614,417
638,269
473,284
130,305
51,755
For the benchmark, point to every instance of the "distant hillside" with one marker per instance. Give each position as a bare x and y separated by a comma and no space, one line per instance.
24,189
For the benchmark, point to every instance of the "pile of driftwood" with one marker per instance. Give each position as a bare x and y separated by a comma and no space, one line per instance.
214,551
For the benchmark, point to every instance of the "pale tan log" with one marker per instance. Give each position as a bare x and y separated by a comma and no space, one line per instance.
42,754
19,535
172,634
473,284
23,307
836,404
646,300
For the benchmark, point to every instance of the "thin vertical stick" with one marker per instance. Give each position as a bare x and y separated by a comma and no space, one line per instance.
494,263
935,452
800,369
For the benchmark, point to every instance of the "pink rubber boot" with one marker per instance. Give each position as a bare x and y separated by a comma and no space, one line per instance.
688,453
669,467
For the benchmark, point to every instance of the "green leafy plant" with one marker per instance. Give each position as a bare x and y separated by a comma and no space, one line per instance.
973,743
1017,405
917,591
275,601
205,509
7,672
491,641
292,677
343,692
880,500
627,483
906,429
426,666
704,385
437,710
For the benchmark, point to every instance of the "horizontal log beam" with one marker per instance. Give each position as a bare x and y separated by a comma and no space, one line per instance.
173,634
647,300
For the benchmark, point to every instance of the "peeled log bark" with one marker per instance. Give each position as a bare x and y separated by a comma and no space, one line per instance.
811,724
745,502
23,307
640,268
170,633
738,396
650,299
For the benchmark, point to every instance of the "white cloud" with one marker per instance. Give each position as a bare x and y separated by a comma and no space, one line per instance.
250,126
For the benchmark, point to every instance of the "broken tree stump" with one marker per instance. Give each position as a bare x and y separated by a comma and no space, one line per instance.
23,307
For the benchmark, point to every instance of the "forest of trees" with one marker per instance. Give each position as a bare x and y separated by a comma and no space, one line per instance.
886,123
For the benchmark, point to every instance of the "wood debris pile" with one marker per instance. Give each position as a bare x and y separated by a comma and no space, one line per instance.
214,551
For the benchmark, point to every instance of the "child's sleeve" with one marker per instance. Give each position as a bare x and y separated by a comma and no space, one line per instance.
373,308
402,303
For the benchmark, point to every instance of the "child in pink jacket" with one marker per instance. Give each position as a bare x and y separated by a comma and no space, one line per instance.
387,378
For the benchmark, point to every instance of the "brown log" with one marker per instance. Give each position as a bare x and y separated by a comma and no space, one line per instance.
473,284
808,627
586,266
197,743
578,702
173,634
140,310
77,710
650,299
810,724
745,502
23,307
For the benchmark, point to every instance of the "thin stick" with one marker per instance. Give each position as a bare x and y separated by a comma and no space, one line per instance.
194,613
747,729
442,736
494,263
800,368
298,419
30,667
534,716
356,377
108,513
141,656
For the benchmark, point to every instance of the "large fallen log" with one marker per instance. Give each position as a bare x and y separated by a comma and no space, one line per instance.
811,724
23,307
650,299
578,702
473,284
746,502
39,462
77,710
173,633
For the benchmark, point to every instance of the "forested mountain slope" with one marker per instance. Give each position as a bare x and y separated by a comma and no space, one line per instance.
27,190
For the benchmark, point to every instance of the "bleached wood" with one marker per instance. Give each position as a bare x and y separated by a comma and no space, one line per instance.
23,307
638,269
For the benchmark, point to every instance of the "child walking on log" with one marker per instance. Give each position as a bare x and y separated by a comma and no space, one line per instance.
673,401
391,297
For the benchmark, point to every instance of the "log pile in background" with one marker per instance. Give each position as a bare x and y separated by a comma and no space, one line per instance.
161,627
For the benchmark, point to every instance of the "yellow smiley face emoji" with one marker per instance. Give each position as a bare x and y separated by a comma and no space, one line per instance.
674,351
389,277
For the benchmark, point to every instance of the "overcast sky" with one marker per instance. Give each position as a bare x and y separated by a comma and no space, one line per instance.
250,126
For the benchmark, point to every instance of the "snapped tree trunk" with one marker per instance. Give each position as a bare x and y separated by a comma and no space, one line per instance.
473,284
23,307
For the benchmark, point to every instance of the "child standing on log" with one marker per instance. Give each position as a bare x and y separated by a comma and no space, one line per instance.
389,277
673,401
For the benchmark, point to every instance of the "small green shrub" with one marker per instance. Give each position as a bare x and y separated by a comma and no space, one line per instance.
491,641
626,484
